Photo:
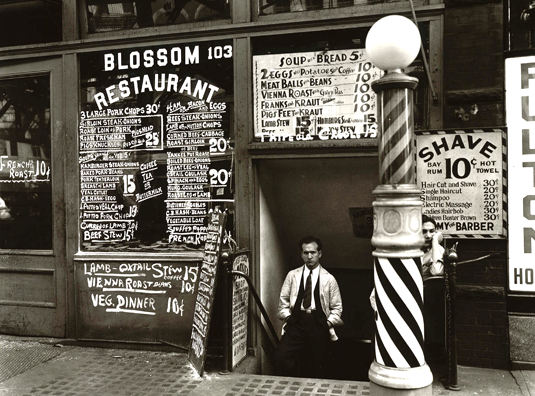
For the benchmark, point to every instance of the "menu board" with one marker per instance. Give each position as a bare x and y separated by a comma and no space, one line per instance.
155,146
142,300
240,308
207,286
460,173
314,96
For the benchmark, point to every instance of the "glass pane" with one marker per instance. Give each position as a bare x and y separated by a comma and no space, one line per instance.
156,146
269,7
25,187
109,15
30,22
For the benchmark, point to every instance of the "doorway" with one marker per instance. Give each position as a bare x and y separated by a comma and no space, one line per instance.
32,218
330,198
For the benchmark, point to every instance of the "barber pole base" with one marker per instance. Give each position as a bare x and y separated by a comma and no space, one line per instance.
399,367
401,382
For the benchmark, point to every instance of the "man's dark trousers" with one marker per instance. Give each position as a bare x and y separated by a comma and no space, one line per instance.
302,349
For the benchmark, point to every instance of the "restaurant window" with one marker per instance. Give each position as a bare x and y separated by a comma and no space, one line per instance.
30,22
269,7
111,15
25,178
520,25
155,146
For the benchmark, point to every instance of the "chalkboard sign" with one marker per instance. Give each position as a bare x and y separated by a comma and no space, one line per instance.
156,146
240,308
136,300
206,290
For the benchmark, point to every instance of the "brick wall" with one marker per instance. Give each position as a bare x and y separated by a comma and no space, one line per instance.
481,312
474,97
473,64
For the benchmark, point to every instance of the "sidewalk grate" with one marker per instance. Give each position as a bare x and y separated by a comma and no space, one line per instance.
18,357
288,387
100,373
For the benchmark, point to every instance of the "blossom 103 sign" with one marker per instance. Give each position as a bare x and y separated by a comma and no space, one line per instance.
520,110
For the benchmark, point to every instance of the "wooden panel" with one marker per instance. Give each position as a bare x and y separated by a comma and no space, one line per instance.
28,287
136,300
34,321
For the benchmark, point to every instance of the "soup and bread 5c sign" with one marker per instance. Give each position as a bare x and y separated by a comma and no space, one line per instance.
520,110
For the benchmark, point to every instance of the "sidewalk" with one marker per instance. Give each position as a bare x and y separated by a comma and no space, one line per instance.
43,368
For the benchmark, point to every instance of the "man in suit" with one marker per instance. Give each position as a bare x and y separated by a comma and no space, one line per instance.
310,305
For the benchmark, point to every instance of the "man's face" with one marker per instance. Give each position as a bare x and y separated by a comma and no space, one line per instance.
428,230
310,254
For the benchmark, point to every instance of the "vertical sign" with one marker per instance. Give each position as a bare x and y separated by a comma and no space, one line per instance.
240,308
206,290
520,99
460,173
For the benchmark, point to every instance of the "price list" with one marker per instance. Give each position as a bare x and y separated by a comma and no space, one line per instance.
195,130
169,163
206,290
109,190
461,178
315,96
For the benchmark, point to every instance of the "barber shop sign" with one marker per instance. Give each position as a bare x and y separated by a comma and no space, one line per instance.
520,99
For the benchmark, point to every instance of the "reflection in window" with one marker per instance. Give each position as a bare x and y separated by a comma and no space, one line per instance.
25,150
109,15
268,7
25,22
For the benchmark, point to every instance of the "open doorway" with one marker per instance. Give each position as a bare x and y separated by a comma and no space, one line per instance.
330,198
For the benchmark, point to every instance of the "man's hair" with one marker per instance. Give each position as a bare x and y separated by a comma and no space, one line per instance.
427,219
309,239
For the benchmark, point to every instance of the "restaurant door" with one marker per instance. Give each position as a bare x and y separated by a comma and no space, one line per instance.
32,218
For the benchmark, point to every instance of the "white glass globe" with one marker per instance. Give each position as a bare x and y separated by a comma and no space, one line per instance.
393,42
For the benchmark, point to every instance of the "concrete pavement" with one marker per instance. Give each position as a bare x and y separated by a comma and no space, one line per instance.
45,367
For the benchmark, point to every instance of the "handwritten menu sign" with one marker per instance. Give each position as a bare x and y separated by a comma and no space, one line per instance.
153,299
155,147
207,286
460,173
314,96
240,308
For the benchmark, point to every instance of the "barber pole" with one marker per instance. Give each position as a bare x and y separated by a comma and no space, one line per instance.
399,366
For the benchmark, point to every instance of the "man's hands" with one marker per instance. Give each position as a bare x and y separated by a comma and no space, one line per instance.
438,237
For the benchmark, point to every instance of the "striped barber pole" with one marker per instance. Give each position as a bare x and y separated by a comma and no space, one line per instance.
399,336
396,124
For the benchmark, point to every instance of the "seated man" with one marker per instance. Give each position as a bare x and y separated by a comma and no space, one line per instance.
432,260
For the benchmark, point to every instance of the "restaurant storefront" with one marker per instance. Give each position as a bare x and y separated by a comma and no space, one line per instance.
126,124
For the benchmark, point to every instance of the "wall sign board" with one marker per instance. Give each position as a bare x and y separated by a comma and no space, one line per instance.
155,144
461,175
207,286
240,308
152,300
314,96
520,111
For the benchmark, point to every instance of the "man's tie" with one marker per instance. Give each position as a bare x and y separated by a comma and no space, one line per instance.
307,300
